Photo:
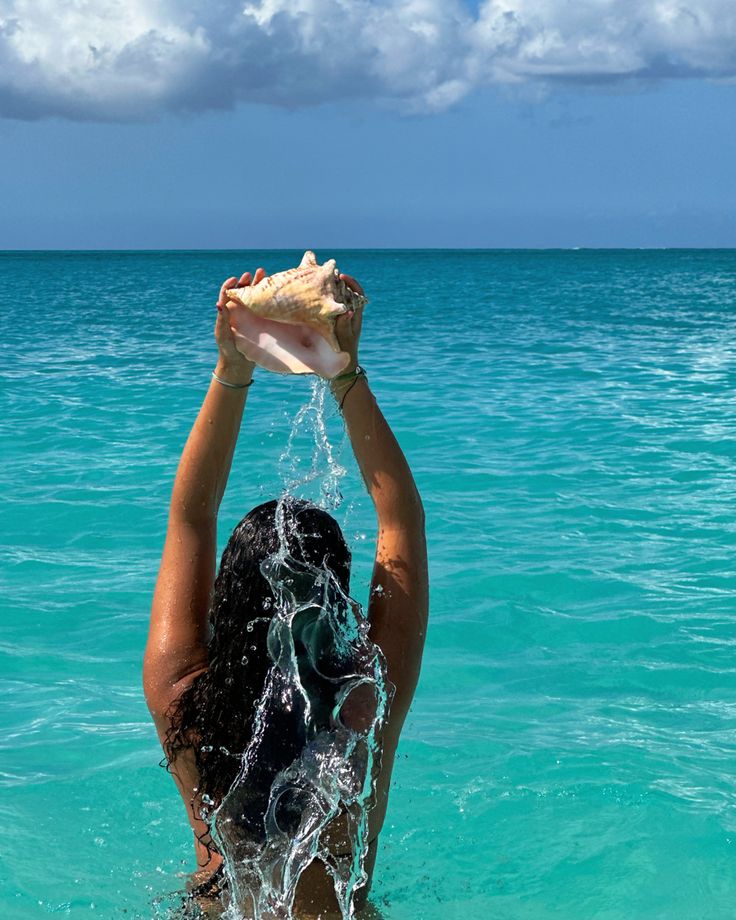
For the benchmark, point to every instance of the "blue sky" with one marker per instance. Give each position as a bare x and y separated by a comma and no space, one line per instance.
547,143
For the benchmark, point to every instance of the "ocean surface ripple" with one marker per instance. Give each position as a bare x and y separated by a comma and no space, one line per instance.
571,421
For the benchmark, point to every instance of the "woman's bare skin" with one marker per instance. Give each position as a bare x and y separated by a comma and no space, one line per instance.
176,651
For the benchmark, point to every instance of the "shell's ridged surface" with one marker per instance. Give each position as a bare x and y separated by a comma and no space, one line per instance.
312,294
286,322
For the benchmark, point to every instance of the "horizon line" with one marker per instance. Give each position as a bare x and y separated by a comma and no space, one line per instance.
85,250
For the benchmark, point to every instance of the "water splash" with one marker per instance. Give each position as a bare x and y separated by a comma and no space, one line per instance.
307,778
309,465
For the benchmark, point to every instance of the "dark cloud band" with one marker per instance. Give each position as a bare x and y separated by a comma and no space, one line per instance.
134,61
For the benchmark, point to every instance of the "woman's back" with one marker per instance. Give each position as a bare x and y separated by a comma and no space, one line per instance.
302,785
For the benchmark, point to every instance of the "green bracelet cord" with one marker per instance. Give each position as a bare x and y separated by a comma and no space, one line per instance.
350,374
354,376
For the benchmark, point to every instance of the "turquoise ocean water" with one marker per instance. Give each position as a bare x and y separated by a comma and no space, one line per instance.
571,420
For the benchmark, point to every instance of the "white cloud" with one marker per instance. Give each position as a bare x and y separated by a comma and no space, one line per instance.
603,40
132,59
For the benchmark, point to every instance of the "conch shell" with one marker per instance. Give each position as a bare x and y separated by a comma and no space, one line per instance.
286,322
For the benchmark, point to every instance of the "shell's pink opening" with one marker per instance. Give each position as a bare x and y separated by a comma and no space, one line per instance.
287,348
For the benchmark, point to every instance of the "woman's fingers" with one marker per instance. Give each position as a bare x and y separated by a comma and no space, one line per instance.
222,299
357,322
352,284
231,282
244,280
259,275
343,330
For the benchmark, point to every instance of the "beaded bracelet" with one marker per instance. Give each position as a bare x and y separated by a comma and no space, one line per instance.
232,386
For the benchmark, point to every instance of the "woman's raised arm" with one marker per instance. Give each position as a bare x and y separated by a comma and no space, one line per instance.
399,599
177,638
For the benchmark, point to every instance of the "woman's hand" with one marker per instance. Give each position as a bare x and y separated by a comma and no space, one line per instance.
348,326
232,365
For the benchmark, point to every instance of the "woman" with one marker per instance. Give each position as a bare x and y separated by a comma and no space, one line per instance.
206,659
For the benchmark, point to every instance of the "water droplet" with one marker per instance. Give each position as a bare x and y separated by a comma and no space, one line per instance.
206,748
244,659
207,800
224,750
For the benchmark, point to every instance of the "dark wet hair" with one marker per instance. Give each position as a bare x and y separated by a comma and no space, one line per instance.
214,715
